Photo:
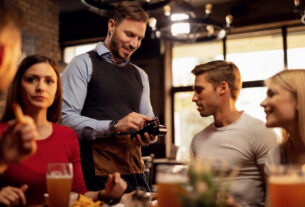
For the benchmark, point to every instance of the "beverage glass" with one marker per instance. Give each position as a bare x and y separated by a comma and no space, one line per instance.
170,179
59,183
286,186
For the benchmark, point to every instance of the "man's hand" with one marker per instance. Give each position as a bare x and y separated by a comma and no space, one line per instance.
133,121
11,196
18,141
148,139
115,186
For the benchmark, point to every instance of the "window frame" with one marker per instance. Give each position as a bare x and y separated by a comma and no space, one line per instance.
245,84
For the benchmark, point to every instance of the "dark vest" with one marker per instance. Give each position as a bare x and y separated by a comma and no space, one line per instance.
113,92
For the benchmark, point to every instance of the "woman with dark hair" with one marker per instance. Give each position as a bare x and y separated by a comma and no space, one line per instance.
37,89
15,94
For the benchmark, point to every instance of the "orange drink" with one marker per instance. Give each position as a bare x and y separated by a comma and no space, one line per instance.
169,184
168,194
287,191
59,190
59,184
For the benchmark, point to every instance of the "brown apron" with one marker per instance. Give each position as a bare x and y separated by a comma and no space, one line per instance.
117,154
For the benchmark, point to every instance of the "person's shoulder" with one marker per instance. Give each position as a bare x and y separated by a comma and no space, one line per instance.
252,118
200,137
205,130
142,71
273,158
3,126
79,64
274,154
80,58
275,150
257,129
64,130
255,122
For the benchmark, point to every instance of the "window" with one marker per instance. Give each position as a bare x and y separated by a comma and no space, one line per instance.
187,120
186,57
296,48
72,51
258,55
249,100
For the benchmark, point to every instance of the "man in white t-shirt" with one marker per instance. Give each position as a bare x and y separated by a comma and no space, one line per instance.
243,141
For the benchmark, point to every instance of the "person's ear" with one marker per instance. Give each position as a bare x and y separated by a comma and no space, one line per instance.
223,87
1,53
111,25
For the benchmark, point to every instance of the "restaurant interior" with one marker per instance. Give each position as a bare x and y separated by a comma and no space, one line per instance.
262,37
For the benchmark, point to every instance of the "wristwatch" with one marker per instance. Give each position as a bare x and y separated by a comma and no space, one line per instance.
113,126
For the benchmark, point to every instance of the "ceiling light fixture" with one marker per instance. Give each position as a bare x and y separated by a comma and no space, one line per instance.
104,7
180,23
299,10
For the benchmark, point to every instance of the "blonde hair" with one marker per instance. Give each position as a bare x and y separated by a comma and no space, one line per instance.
294,82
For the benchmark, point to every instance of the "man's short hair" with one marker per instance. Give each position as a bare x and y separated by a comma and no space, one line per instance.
129,9
220,70
9,14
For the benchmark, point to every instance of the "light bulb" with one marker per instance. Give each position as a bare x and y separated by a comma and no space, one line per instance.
297,2
180,28
208,9
210,29
221,34
179,16
229,20
152,22
167,10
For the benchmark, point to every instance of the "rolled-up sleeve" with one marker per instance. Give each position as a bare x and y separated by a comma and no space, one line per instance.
75,79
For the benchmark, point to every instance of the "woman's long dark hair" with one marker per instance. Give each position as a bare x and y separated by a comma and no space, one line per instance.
14,92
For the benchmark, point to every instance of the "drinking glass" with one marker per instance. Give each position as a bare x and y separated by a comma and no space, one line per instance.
59,183
170,179
286,186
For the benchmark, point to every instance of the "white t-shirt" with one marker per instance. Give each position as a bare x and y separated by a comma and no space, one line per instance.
244,143
273,158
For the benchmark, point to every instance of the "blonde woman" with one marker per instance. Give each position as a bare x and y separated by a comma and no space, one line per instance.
285,107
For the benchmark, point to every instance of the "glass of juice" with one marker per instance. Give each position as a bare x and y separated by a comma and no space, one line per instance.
170,179
59,183
286,186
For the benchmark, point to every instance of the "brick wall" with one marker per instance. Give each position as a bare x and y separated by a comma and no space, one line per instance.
40,34
41,26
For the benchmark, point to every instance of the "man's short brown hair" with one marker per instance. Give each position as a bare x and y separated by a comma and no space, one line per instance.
220,70
129,9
